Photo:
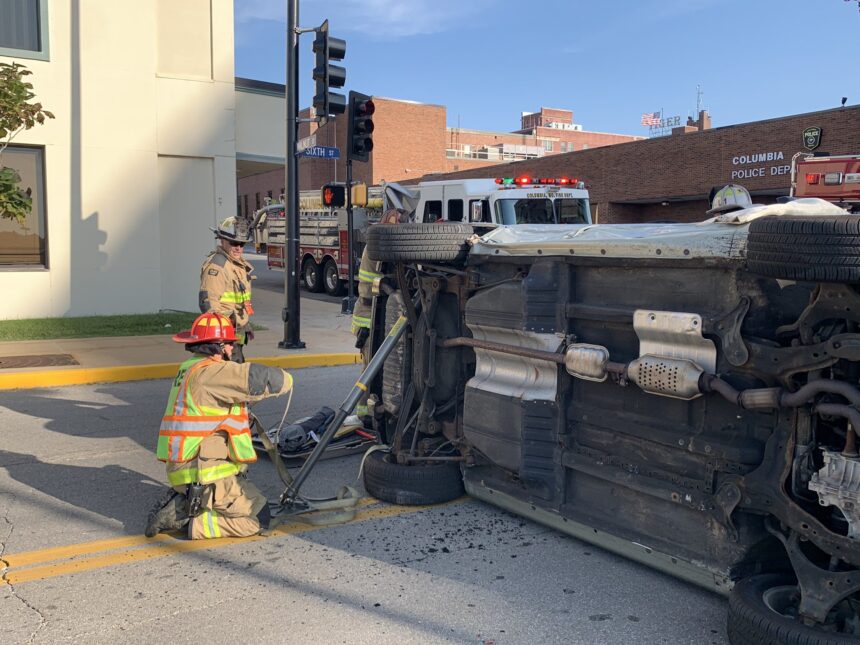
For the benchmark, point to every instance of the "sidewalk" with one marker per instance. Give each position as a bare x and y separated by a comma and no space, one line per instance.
325,331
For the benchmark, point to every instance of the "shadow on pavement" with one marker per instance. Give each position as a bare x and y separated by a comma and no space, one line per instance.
111,491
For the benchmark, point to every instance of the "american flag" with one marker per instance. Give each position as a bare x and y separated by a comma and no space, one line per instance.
650,118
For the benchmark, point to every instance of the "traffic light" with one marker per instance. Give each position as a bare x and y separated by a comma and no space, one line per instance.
327,75
358,195
333,195
358,139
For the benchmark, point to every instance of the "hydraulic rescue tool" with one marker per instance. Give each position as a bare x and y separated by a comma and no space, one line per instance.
342,507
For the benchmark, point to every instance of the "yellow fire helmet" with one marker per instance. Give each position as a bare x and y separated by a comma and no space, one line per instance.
730,198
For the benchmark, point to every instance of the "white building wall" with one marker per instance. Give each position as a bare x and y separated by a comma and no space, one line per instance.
261,131
140,160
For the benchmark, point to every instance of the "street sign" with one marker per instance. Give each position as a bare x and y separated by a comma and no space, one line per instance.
320,152
307,142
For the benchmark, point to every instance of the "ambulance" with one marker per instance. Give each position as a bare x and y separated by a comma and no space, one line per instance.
503,201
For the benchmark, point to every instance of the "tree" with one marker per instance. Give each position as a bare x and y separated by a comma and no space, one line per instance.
17,114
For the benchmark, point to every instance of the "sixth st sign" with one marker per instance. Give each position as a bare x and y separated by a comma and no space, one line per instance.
320,152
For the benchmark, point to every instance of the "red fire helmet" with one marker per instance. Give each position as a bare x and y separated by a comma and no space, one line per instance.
208,328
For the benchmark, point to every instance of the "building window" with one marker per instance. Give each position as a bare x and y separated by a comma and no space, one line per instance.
24,28
257,201
245,203
547,145
585,146
25,243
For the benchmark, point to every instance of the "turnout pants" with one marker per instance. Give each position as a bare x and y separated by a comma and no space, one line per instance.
230,509
232,506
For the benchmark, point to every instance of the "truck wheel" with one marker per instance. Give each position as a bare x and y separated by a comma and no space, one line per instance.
417,242
814,248
413,485
312,275
331,280
762,609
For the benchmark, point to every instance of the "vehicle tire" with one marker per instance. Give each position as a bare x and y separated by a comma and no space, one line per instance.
416,242
413,485
312,275
753,619
331,280
814,248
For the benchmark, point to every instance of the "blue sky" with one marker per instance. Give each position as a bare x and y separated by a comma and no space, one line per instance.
608,61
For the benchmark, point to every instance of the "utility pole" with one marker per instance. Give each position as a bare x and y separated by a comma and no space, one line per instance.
292,303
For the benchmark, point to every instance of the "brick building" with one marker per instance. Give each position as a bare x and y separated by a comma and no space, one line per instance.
547,132
411,140
670,178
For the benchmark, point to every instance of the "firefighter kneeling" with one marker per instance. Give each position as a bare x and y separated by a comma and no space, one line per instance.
205,437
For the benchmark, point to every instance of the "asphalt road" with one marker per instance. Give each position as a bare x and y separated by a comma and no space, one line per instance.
77,475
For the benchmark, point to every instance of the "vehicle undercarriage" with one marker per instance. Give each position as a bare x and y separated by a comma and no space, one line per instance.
686,397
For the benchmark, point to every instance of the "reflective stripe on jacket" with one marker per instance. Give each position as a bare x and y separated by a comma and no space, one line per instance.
185,425
368,272
235,297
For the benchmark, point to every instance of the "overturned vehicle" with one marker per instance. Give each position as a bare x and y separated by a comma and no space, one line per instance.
685,395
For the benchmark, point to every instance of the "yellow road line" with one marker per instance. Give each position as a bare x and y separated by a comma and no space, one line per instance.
170,546
28,558
84,375
40,556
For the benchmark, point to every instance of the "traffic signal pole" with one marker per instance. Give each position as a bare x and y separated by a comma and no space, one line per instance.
292,303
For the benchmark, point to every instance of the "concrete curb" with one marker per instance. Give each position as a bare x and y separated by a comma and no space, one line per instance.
84,375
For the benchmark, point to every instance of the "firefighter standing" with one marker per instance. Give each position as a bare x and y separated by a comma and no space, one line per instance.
225,282
205,437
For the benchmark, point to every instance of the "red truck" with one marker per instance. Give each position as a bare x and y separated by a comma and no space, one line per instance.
834,178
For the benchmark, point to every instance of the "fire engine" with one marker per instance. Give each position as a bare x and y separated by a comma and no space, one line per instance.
489,202
834,178
322,239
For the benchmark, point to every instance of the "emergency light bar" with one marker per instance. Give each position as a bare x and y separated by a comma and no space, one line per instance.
525,180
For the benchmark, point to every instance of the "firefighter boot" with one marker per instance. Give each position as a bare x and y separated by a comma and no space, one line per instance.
168,514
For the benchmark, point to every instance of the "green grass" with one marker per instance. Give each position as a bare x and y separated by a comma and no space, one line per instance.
93,326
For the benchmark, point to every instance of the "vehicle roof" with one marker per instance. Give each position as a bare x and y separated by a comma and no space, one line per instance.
487,186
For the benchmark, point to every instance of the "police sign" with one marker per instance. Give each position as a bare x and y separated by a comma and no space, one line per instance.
811,138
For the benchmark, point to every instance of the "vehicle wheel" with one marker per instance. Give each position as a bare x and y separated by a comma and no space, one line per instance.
762,609
331,280
416,242
312,275
417,484
815,248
